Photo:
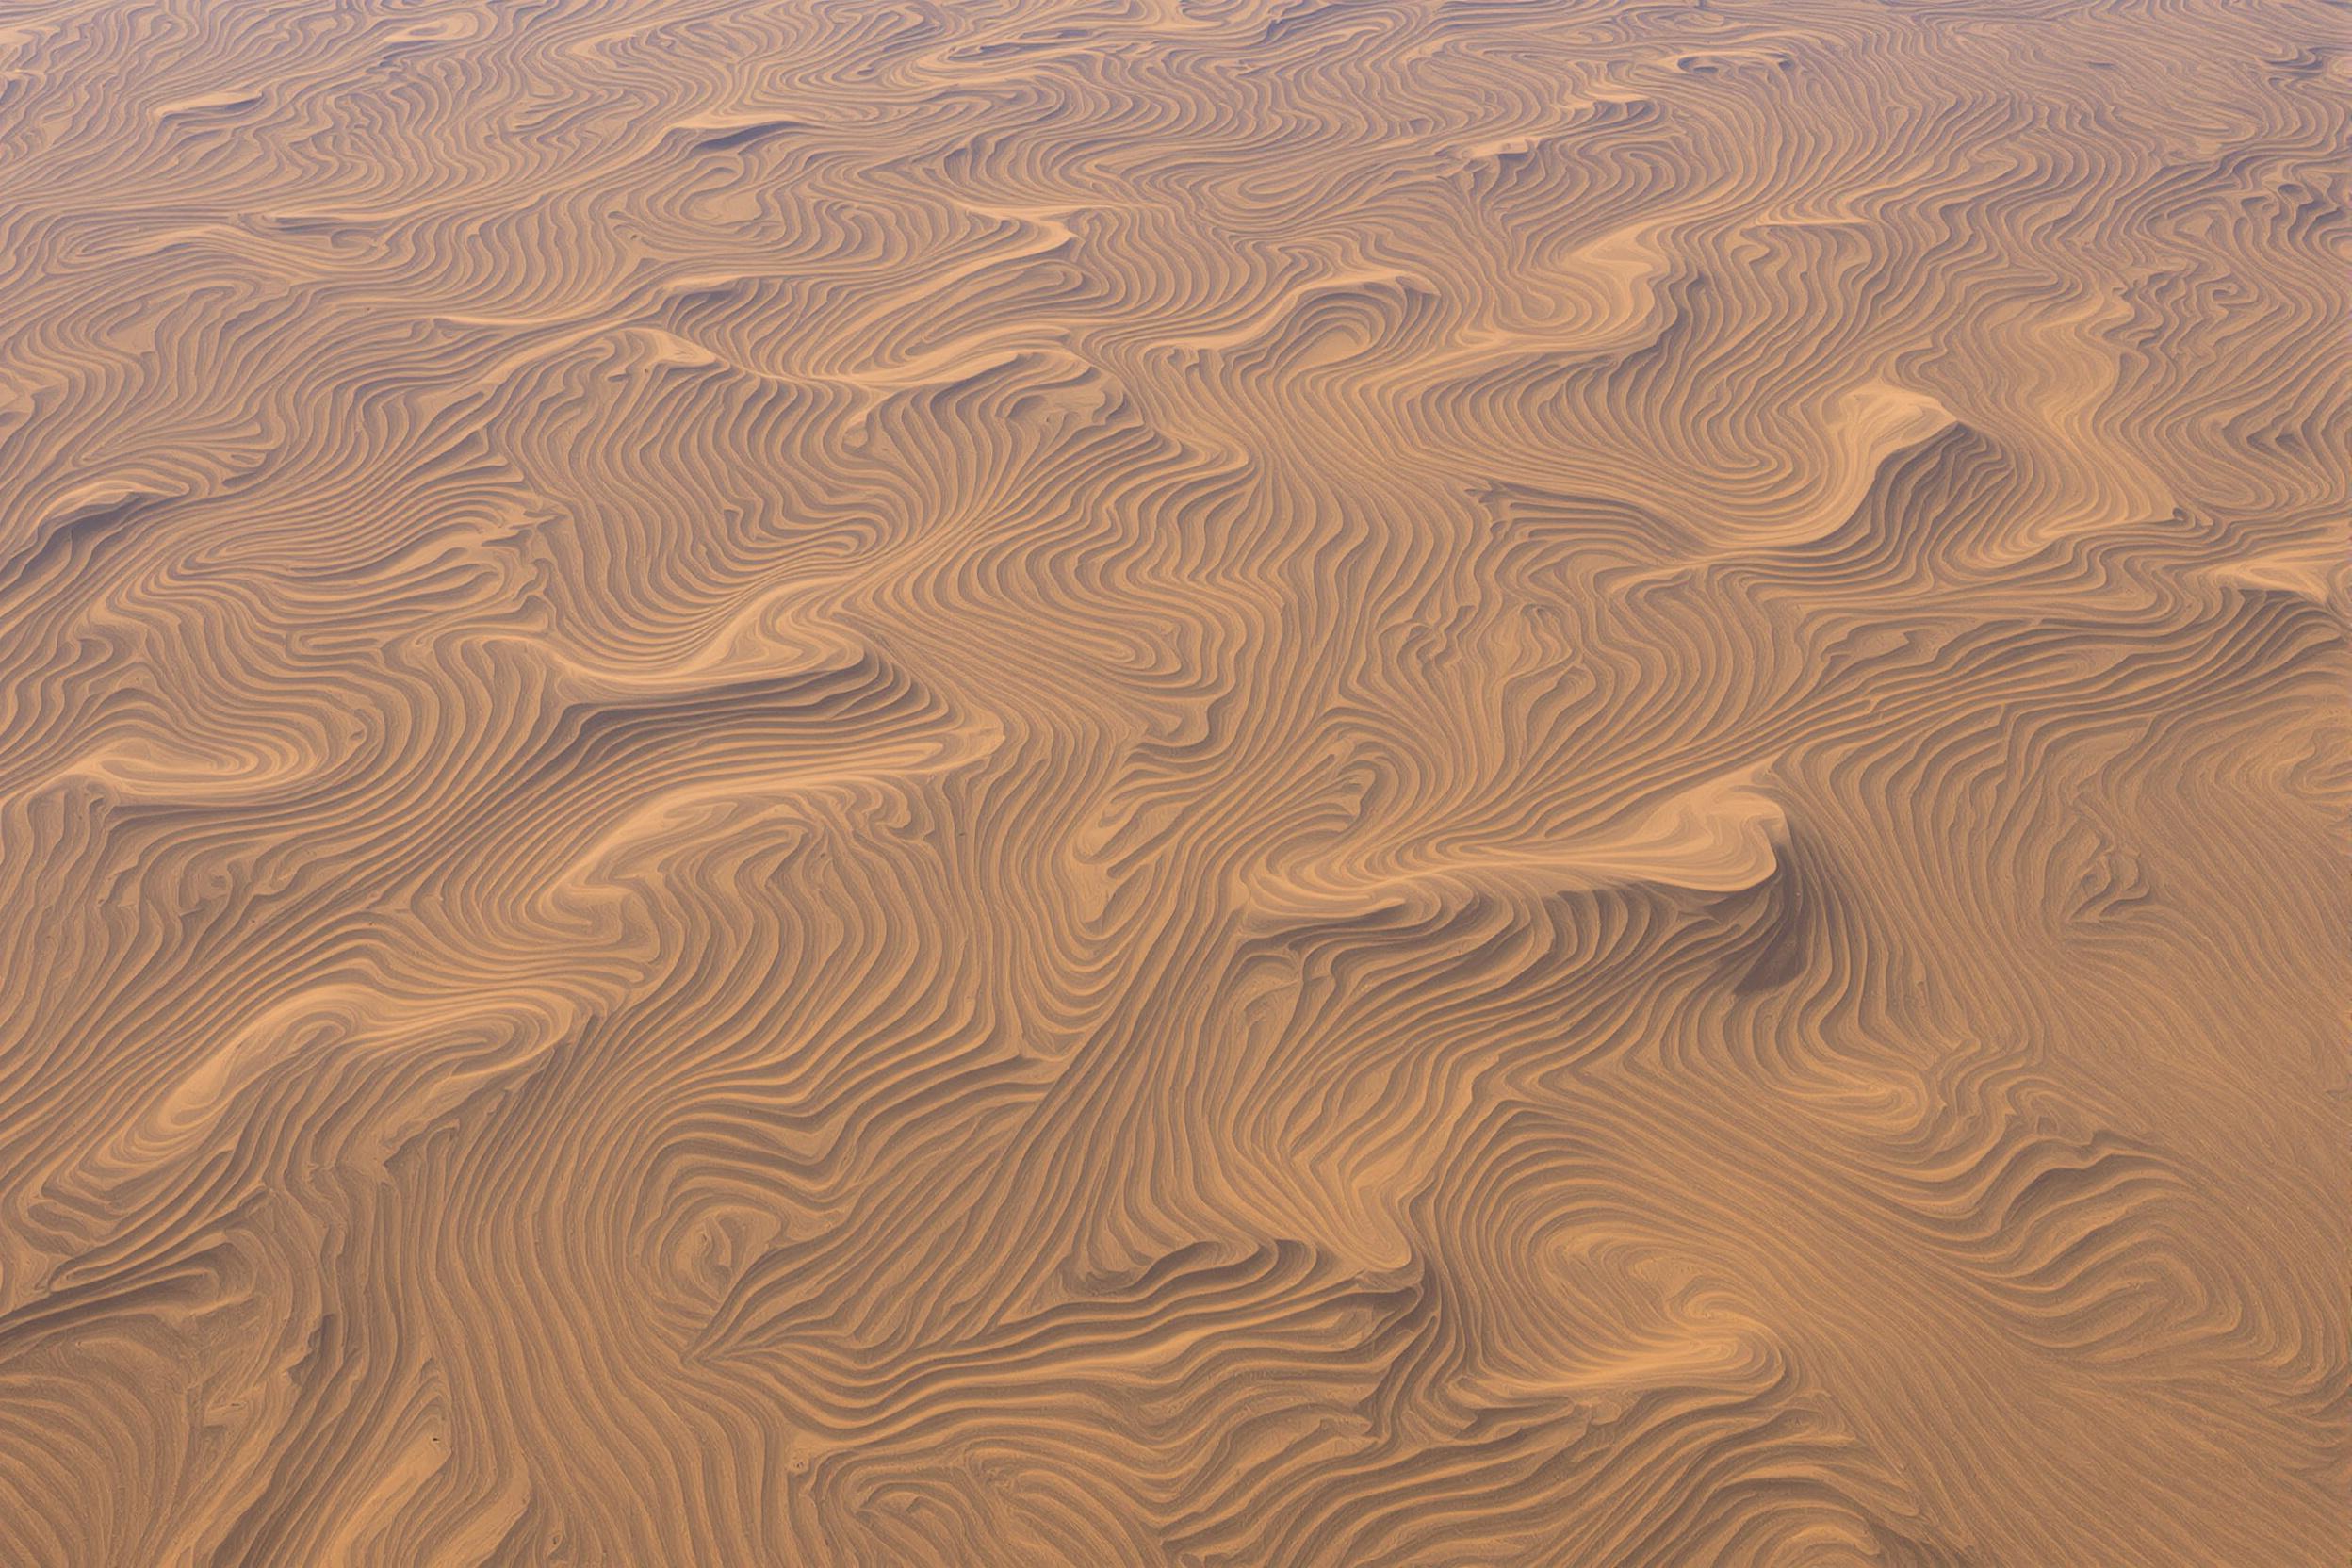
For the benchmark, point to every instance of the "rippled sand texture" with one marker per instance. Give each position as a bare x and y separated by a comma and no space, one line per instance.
1423,783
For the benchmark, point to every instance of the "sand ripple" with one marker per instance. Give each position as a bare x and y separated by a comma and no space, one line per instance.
1214,782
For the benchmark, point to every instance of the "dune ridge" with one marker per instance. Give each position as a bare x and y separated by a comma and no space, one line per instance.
1209,782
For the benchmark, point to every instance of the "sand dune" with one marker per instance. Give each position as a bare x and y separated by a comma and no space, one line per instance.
1213,782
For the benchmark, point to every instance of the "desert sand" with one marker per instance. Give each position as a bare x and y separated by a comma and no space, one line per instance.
1440,783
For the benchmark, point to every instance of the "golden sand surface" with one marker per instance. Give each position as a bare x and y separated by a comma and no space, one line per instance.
1230,783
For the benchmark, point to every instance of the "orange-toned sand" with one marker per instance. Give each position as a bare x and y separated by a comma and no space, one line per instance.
952,783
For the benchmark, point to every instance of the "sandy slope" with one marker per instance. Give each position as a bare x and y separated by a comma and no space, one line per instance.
1096,782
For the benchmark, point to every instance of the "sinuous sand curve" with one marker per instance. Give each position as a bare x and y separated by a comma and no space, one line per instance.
1230,783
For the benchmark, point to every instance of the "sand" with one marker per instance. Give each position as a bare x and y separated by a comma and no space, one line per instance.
1195,782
